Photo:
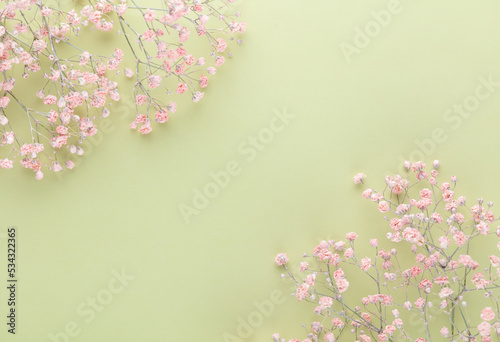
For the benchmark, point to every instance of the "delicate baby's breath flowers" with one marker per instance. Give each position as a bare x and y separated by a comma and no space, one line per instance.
44,41
425,218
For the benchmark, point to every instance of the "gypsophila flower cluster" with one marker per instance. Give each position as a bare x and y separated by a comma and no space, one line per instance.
44,39
421,286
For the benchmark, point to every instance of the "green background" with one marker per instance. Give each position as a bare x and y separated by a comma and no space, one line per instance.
119,209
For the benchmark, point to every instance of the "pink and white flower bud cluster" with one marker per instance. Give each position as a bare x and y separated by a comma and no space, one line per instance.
427,219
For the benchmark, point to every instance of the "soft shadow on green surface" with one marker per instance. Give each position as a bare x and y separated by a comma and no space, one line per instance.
120,208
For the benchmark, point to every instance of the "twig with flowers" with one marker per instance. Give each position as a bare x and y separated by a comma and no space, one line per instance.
44,39
438,231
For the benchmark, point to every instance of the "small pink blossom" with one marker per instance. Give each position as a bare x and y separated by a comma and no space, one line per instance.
181,88
425,193
351,236
484,329
483,228
128,72
366,264
495,261
383,337
389,330
149,35
149,16
412,235
56,167
467,261
161,116
364,338
448,195
460,238
367,193
49,100
441,280
145,128
326,302
302,292
487,314
445,292
479,280
383,206
358,178
418,166
6,163
420,302
444,242
458,217
337,322
436,218
339,246
219,61
342,285
4,101
154,81
197,96
281,259
140,118
349,253
203,81
329,337
221,45
140,99
70,164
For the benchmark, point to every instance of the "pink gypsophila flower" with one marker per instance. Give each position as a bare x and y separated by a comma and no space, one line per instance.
281,259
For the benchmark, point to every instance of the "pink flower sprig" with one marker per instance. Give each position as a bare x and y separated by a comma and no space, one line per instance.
437,273
43,42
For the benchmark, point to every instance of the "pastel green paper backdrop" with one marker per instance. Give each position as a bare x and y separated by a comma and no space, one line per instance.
120,208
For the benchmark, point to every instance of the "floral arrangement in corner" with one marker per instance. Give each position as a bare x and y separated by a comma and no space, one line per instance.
43,41
423,286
